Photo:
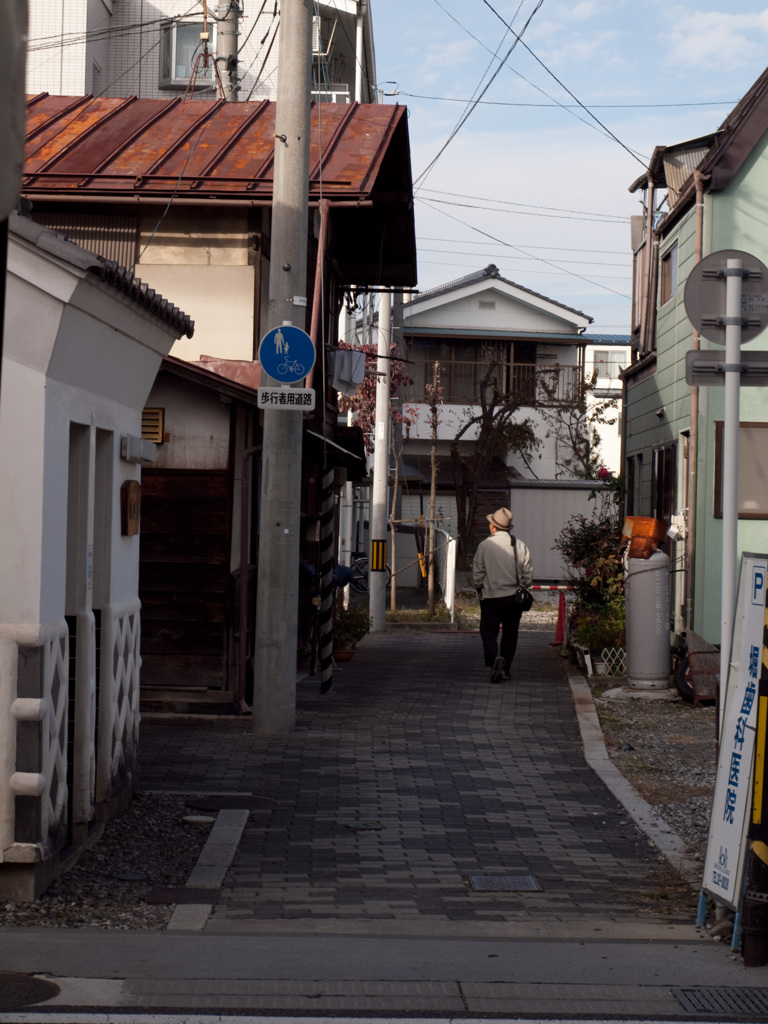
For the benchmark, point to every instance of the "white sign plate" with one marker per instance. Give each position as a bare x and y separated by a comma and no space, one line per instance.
298,399
724,861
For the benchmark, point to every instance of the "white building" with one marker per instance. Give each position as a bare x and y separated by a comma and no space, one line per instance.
541,357
82,344
130,48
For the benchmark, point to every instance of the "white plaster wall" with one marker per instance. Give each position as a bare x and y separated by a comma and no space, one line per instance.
197,423
220,299
466,312
22,433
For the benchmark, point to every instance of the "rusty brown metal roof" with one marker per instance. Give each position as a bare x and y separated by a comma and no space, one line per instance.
90,151
153,147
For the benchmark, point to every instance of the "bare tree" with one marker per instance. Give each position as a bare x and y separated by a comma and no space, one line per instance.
572,422
434,396
494,433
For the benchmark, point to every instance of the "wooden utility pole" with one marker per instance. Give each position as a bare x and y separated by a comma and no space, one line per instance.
274,698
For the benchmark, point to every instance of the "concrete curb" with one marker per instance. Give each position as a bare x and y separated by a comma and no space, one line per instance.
642,813
211,869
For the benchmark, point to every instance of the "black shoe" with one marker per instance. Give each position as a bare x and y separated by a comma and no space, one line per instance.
497,671
507,673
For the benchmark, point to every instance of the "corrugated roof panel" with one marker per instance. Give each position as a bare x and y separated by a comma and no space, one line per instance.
679,165
161,146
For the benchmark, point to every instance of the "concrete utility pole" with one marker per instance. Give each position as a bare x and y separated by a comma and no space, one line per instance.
227,46
377,571
274,698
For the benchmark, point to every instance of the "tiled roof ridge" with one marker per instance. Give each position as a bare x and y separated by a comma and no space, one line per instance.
109,271
492,271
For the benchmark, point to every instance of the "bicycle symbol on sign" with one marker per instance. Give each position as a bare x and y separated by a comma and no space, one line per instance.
290,366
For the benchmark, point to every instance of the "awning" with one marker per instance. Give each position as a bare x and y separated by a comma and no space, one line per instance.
347,452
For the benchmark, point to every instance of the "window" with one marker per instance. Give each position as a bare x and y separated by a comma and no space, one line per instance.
608,363
668,282
753,470
462,366
664,482
180,46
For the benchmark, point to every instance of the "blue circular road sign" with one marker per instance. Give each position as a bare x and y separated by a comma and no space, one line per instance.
287,354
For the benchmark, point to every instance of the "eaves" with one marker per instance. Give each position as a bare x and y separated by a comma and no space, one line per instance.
643,369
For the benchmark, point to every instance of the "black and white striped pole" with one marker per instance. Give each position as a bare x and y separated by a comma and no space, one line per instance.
325,620
377,560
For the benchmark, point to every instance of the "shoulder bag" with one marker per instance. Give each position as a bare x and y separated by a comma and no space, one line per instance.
523,597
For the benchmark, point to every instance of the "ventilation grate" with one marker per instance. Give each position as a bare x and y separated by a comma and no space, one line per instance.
504,883
728,1001
153,425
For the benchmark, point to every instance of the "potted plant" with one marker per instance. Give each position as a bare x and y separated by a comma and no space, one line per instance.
350,625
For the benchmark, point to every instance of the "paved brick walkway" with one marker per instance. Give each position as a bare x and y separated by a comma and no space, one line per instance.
413,774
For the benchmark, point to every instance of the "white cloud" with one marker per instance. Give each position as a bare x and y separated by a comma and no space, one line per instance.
712,40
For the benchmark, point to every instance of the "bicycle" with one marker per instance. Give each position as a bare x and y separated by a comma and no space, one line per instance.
359,581
290,366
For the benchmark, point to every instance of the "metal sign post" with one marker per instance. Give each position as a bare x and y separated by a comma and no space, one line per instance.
746,316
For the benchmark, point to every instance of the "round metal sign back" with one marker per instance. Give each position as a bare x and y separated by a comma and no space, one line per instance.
704,295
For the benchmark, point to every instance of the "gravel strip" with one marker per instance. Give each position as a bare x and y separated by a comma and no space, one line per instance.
667,749
150,844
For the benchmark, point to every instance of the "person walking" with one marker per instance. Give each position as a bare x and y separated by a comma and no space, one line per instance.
497,574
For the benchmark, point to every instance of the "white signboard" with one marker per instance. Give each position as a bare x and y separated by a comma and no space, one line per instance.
302,399
724,862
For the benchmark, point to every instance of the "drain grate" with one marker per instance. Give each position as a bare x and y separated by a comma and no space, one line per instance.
742,1001
504,883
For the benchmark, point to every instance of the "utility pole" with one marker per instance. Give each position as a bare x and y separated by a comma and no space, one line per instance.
227,45
377,560
274,698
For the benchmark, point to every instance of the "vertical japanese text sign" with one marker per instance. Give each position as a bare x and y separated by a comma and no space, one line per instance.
724,862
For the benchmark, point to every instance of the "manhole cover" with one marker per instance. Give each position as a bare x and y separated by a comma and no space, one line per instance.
726,1001
182,894
504,883
18,990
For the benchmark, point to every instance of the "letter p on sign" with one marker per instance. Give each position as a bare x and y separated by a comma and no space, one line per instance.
758,585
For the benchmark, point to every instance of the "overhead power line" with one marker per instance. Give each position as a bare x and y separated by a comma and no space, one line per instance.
569,106
517,248
463,120
526,208
563,86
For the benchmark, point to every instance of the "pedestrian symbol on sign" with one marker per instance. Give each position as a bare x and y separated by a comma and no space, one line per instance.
287,354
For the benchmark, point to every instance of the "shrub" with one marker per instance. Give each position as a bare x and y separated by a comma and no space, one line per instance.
590,546
350,625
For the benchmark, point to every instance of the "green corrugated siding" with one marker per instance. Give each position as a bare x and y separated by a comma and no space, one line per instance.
738,219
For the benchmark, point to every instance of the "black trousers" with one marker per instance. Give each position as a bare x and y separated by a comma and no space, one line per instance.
499,613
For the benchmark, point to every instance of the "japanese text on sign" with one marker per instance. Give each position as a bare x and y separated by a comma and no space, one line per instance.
287,398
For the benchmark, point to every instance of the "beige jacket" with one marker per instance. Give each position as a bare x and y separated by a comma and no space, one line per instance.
494,566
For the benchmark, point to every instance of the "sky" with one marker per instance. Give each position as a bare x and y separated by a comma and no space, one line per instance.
531,181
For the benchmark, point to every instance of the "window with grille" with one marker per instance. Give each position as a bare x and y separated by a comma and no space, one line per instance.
664,482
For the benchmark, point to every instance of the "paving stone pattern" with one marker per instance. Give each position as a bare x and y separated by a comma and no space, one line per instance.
413,773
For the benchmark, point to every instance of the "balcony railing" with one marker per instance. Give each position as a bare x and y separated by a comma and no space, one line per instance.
526,383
